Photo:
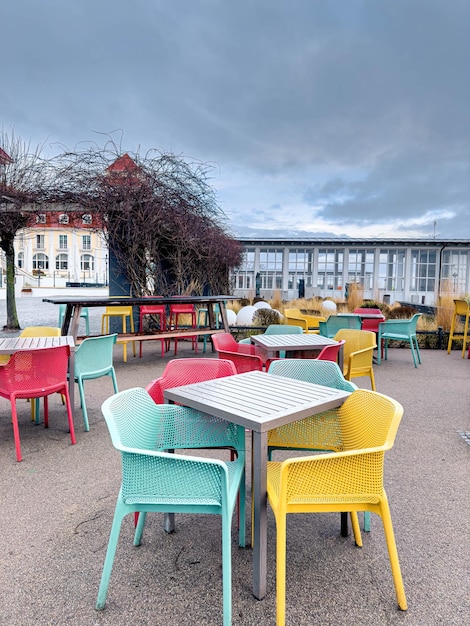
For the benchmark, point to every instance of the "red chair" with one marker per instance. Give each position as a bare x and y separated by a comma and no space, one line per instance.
330,353
186,371
183,309
368,323
36,374
246,358
153,309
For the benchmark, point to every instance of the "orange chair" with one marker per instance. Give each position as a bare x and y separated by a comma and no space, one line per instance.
36,374
183,309
153,309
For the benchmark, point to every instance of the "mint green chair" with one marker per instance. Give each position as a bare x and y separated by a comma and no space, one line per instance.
319,432
154,480
330,327
94,359
399,330
83,314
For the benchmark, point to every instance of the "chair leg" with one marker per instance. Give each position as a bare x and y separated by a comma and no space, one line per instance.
393,555
81,390
367,521
16,430
281,525
226,566
109,559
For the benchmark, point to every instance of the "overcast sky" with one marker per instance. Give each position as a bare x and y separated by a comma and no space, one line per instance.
321,117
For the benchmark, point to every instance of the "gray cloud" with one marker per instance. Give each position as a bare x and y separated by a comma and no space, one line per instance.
344,113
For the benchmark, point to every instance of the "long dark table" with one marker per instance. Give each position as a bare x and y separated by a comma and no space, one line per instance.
74,306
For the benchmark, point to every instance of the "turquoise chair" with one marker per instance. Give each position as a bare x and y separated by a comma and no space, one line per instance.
94,359
399,330
154,480
83,314
319,432
330,327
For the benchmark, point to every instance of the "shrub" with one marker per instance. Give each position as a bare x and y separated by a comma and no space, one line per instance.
266,317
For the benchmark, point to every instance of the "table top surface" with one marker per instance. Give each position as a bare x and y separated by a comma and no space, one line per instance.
124,301
372,316
13,344
297,342
257,400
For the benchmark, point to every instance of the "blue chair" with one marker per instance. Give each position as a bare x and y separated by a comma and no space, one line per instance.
94,359
399,330
154,480
330,327
83,314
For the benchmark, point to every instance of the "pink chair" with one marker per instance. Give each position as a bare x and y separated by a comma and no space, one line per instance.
183,309
153,309
367,323
186,371
330,353
246,358
36,374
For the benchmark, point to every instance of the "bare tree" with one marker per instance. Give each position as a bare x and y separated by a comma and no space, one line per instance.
24,181
159,215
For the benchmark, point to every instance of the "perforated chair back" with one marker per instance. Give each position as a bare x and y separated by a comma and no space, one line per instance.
156,481
180,372
94,359
36,374
358,353
325,373
40,331
334,323
283,329
330,353
350,480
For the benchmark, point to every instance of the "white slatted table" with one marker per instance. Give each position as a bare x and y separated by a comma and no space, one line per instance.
273,344
260,402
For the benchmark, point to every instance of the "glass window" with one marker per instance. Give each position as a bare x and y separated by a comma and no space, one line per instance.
87,218
454,272
330,268
361,267
63,242
86,242
63,218
62,262
40,261
87,263
41,218
20,259
270,265
423,270
40,241
392,270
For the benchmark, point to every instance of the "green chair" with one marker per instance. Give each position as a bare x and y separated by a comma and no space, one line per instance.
399,330
94,359
330,327
318,432
154,480
83,313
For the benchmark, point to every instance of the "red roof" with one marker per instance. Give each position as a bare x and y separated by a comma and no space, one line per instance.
5,158
123,163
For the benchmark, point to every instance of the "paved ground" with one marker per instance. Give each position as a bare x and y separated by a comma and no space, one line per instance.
57,507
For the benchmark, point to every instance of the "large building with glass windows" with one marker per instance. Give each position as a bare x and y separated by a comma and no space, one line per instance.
416,271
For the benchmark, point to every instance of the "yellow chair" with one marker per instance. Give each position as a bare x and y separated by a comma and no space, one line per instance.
123,312
358,353
295,318
462,309
349,481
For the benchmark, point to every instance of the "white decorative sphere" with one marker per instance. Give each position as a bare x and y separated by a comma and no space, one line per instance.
231,317
262,305
245,316
329,305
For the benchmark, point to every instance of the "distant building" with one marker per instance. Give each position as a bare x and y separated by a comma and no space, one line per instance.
54,253
410,270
